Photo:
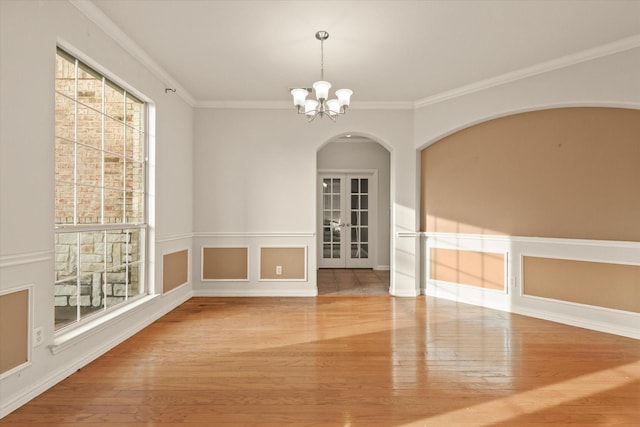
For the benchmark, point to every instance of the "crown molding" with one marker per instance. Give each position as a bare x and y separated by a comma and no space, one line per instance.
245,105
562,62
287,105
93,13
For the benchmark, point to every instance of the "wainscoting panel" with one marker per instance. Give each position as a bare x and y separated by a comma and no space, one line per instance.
283,263
262,252
14,329
600,284
592,284
225,263
473,268
175,270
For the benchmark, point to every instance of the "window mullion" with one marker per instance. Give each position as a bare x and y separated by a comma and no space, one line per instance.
79,276
75,144
102,146
124,156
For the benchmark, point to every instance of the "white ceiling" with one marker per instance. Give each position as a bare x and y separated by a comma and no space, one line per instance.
385,51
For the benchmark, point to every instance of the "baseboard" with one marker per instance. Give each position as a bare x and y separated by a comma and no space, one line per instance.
629,332
496,300
255,293
60,374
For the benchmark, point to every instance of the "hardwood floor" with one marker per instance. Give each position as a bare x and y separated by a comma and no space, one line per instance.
346,281
349,361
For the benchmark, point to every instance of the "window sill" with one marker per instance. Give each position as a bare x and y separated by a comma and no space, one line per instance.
69,339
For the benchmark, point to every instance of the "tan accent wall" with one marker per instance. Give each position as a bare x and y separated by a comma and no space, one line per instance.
225,264
480,269
600,284
565,173
14,329
175,270
292,261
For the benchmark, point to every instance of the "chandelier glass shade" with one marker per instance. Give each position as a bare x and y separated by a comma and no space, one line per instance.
322,105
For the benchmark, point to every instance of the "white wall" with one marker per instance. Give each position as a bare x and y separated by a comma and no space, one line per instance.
612,80
255,183
365,155
29,31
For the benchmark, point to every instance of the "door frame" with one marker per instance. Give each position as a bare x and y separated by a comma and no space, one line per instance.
373,213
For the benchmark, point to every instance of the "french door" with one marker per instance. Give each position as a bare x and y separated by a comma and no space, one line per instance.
347,212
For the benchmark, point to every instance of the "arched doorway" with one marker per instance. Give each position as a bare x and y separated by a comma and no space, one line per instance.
353,223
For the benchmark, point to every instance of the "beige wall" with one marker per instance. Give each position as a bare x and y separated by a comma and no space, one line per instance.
600,284
14,329
175,270
565,173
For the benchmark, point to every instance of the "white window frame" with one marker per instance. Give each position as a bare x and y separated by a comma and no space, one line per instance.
82,323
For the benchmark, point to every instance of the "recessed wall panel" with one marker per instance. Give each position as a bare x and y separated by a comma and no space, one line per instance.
283,263
14,329
175,270
225,263
600,284
560,173
480,269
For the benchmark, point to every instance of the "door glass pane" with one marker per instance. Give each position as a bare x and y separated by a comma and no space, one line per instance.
364,186
364,234
364,218
354,218
326,185
364,251
336,202
354,186
354,202
326,234
326,251
336,251
335,185
364,202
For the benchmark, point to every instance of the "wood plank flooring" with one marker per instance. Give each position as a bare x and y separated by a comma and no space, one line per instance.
345,281
349,361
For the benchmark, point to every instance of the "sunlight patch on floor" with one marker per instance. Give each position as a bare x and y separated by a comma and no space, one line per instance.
502,410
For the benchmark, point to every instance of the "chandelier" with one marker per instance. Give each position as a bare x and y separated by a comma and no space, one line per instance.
321,106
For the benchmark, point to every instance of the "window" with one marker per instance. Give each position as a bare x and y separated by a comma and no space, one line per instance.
100,188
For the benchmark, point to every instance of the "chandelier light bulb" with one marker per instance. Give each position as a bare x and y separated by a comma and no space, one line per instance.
299,96
321,88
344,96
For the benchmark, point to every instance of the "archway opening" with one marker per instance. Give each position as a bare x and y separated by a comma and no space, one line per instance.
353,216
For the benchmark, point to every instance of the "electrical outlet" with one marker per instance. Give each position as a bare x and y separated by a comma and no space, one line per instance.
278,270
38,336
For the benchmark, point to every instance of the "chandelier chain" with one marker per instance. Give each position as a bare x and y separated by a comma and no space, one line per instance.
322,59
